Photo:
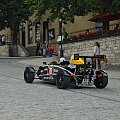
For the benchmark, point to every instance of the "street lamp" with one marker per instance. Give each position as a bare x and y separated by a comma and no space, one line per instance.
60,34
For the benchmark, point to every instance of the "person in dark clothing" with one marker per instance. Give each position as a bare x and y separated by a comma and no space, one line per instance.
0,39
46,51
116,27
3,40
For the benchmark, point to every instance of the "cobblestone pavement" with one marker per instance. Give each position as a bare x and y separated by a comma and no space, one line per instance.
41,101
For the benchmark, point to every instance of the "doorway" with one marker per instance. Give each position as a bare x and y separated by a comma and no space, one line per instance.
23,36
45,31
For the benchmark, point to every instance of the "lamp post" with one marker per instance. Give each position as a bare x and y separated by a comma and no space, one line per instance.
60,34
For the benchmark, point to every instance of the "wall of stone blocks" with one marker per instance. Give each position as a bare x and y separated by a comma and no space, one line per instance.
4,51
110,46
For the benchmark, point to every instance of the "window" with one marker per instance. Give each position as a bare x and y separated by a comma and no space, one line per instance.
30,32
37,31
99,24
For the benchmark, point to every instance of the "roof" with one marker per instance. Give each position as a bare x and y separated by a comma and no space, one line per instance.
105,17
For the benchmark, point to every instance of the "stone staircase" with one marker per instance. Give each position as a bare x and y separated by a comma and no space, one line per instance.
22,49
13,51
4,50
31,51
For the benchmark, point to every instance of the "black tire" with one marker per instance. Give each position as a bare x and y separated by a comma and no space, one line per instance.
29,74
102,82
62,81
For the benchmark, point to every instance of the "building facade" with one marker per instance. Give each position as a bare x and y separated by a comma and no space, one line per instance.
46,30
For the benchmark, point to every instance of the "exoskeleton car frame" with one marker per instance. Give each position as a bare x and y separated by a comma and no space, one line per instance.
62,75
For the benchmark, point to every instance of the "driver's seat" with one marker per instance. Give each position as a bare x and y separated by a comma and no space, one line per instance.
64,63
78,61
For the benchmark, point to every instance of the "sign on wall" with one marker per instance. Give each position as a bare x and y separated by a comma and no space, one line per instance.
51,33
38,31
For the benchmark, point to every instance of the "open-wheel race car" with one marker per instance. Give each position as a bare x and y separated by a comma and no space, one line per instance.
78,72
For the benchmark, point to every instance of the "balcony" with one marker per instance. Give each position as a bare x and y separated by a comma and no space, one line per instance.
93,33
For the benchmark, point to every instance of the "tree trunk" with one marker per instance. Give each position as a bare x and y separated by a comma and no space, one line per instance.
15,39
15,43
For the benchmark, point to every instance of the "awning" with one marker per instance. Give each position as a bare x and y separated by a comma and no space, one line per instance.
104,17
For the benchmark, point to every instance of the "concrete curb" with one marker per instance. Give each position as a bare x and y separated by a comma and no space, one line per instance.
21,57
112,67
38,61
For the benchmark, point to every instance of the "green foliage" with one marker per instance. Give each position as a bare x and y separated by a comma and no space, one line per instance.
70,8
12,13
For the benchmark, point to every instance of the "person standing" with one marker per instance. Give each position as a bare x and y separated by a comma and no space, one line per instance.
3,39
0,39
45,49
97,53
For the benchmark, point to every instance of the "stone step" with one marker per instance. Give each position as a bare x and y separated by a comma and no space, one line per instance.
31,51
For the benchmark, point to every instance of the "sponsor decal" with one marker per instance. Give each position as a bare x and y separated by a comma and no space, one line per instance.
48,77
55,70
45,69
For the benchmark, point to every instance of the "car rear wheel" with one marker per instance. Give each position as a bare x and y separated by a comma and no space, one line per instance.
101,82
29,74
62,81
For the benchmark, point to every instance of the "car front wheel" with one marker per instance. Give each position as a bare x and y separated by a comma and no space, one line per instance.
29,75
62,81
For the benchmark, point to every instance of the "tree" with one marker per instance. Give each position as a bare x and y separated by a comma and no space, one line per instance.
70,8
12,13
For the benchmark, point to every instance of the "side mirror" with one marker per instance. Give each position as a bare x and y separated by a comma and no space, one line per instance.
44,63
